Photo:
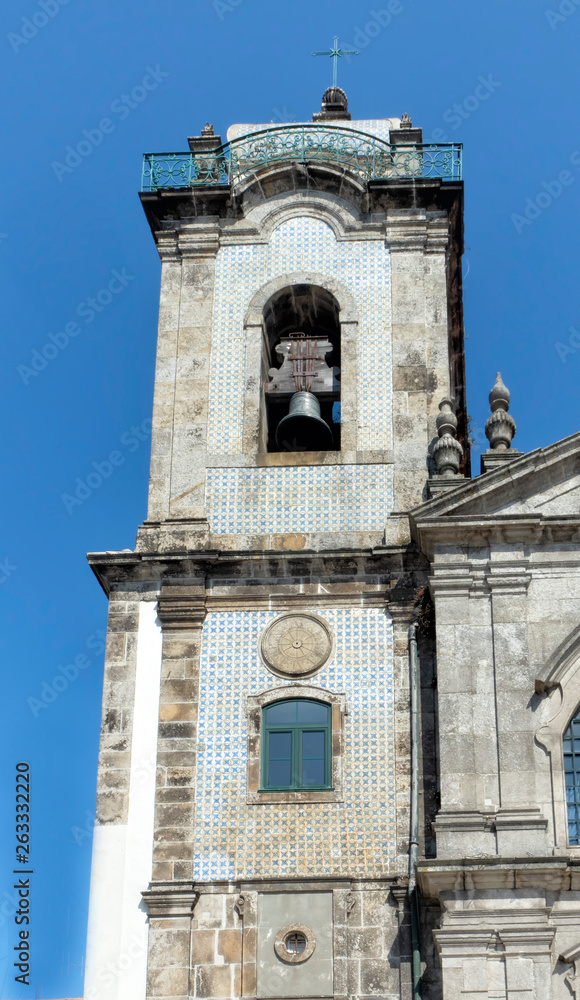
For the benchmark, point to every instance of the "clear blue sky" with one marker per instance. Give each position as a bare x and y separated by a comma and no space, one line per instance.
62,234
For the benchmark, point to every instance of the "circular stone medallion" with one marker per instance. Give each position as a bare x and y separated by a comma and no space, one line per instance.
294,944
296,644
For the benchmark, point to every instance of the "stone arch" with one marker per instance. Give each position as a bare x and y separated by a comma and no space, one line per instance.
346,302
561,682
338,214
255,431
557,666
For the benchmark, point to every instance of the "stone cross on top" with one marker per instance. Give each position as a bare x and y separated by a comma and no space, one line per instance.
335,53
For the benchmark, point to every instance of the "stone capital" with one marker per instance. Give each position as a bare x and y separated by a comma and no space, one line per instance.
182,608
167,899
199,241
412,230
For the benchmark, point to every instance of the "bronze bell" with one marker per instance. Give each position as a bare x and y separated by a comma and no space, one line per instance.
303,429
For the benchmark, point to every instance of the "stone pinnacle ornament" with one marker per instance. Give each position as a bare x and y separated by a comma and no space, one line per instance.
501,426
447,452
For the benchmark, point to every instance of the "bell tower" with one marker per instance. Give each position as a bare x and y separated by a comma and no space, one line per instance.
254,809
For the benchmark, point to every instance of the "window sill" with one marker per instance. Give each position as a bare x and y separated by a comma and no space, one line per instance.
289,795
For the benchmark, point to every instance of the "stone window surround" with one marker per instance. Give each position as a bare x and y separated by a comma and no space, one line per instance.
562,686
254,706
254,405
299,957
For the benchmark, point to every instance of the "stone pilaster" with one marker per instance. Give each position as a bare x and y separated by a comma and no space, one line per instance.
170,909
182,612
417,242
179,434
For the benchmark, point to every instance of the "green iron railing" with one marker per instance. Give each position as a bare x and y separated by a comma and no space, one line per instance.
355,152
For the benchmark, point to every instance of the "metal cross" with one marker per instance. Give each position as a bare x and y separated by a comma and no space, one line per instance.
335,54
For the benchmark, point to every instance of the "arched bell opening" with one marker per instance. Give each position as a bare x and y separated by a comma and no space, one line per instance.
302,388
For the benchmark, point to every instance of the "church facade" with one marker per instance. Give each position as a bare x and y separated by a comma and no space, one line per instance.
338,750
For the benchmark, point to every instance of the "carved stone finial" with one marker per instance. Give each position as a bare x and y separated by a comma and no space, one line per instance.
208,130
447,452
501,426
406,121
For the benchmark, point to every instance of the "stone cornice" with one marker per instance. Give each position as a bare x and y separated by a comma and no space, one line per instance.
477,578
536,529
366,571
483,496
545,874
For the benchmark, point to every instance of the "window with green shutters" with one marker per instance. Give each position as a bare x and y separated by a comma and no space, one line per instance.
572,776
296,745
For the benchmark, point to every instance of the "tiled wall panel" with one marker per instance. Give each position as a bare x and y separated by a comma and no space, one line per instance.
379,127
301,244
299,499
235,840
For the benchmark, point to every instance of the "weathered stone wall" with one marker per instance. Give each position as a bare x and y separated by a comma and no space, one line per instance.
501,613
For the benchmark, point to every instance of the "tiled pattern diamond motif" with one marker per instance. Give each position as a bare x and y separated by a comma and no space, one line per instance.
357,837
301,244
301,498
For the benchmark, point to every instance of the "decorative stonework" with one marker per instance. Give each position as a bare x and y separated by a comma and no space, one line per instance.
501,426
283,944
296,645
447,452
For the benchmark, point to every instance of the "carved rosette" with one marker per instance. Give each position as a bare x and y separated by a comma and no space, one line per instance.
296,645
